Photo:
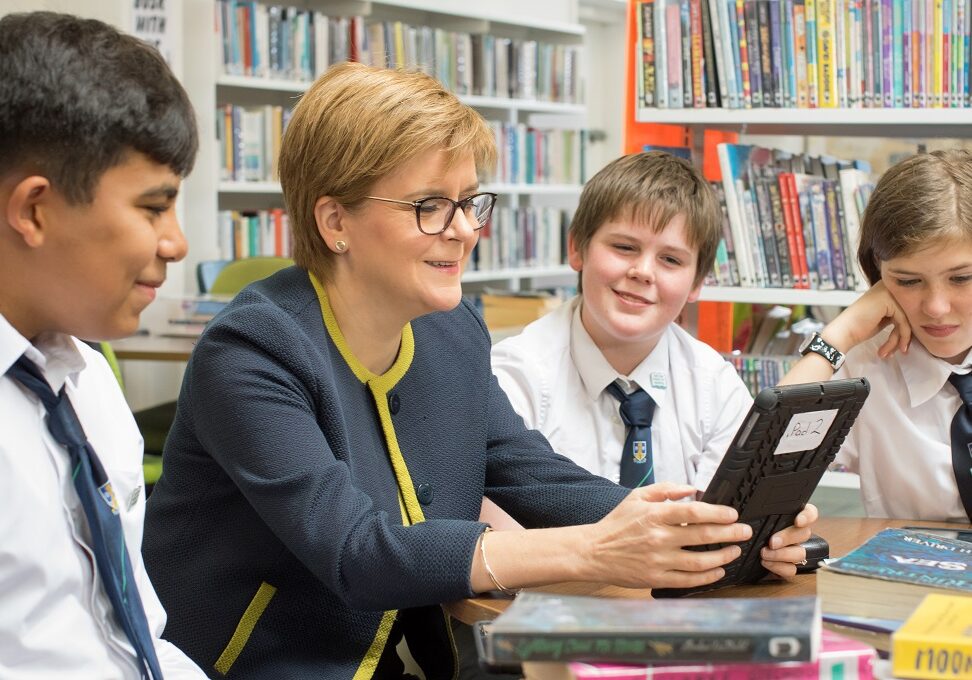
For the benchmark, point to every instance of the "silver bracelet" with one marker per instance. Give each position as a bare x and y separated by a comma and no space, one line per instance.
492,577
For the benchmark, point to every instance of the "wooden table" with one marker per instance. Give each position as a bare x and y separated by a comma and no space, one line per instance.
842,533
153,348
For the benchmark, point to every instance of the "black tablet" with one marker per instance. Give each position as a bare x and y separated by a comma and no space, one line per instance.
783,447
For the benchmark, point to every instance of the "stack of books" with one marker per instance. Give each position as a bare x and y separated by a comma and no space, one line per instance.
869,593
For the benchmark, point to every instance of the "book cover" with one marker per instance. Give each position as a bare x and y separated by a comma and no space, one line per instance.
936,640
549,627
888,576
874,632
840,657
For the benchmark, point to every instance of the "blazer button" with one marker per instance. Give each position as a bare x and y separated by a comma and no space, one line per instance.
394,403
424,493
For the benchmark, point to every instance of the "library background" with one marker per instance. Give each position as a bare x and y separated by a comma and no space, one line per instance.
793,108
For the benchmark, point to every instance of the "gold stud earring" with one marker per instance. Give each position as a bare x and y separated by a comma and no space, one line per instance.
341,246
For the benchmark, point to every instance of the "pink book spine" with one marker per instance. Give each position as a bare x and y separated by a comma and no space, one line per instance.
839,658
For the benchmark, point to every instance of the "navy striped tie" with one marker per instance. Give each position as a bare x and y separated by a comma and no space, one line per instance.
637,463
962,439
100,509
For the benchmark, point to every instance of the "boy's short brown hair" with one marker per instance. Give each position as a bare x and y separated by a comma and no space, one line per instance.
651,188
923,199
355,125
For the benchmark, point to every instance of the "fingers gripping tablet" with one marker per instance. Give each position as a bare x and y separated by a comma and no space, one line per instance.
783,447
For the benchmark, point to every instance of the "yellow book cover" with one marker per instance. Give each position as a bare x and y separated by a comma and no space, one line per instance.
939,43
936,640
826,58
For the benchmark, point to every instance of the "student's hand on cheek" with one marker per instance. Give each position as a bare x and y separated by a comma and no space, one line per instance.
873,311
784,551
640,543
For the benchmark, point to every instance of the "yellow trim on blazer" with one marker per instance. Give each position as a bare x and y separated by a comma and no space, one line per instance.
245,628
380,385
370,662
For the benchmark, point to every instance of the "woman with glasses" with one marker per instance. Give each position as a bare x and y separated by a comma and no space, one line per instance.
339,424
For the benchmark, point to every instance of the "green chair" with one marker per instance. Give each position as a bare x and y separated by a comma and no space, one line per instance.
238,274
153,423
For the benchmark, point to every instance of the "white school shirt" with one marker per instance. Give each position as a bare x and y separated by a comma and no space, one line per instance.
56,620
900,444
555,377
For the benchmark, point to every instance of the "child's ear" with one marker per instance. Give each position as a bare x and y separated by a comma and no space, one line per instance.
575,258
21,209
694,295
329,215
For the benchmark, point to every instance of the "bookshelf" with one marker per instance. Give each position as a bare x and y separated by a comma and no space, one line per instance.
208,191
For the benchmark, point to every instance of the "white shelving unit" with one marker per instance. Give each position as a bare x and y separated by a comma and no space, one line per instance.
779,296
547,21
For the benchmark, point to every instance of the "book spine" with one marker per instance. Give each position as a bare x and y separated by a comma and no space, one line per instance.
784,244
756,85
674,37
696,52
821,236
777,63
789,55
685,23
661,55
812,71
907,68
800,43
936,88
840,51
720,38
684,646
743,42
835,224
768,232
713,86
647,12
767,75
826,45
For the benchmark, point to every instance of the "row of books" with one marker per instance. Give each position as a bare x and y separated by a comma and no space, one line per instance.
271,41
789,220
760,372
252,233
249,141
529,236
516,237
803,53
529,155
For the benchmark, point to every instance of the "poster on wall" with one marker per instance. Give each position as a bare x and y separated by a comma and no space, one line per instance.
151,22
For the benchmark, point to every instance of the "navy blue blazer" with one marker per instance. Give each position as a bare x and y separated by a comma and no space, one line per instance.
310,513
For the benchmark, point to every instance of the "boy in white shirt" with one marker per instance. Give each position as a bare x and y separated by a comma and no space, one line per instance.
95,136
643,238
911,443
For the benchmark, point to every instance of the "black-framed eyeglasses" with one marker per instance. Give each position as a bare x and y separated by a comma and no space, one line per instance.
434,214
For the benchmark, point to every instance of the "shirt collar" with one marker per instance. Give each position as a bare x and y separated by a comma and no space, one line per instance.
55,354
595,371
924,374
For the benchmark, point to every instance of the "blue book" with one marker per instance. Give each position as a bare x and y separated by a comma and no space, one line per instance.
889,575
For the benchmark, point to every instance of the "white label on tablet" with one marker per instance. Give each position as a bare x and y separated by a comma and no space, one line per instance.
805,431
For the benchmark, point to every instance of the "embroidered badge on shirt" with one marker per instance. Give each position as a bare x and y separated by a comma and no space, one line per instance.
659,380
108,494
133,497
640,450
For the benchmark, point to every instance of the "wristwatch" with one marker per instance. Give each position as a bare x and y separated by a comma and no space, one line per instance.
815,343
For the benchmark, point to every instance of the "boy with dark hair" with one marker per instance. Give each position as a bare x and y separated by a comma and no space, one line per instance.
609,377
95,136
912,442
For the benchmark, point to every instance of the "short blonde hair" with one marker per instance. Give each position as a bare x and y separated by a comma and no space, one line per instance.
651,188
923,199
355,125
